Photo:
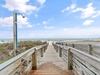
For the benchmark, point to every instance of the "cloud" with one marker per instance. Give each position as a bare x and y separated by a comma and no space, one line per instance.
20,5
41,1
73,6
49,27
97,14
8,21
45,22
57,33
69,33
81,32
89,11
36,15
88,22
86,12
30,26
48,21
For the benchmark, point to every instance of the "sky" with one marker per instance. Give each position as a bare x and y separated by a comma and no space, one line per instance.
51,18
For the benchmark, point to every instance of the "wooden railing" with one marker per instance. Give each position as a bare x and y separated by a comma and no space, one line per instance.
80,62
92,49
24,62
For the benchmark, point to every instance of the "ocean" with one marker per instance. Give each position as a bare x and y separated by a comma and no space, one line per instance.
45,39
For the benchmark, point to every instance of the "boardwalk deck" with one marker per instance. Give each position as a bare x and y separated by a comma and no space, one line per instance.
51,64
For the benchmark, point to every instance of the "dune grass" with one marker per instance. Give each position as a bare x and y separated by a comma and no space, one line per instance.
6,49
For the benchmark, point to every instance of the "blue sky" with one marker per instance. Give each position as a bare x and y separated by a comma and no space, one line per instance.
51,18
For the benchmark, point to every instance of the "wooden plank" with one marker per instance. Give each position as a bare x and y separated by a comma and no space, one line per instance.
83,70
65,56
85,64
90,49
34,60
60,52
64,59
76,68
42,52
69,60
15,64
86,57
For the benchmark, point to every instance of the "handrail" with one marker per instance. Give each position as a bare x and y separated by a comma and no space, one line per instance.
14,62
79,61
10,61
87,57
91,48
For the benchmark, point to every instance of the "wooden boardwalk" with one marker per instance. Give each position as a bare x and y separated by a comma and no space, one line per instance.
51,64
41,60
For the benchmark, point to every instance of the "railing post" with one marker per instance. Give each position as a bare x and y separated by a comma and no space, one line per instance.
70,63
66,44
60,51
34,60
57,48
42,52
73,45
44,48
90,49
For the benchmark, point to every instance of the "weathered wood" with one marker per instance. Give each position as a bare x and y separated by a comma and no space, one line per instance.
60,51
34,60
57,48
42,52
90,49
70,63
65,58
11,65
81,62
44,49
85,67
38,54
88,58
73,45
21,63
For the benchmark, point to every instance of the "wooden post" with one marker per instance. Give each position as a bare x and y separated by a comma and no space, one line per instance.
44,48
66,44
56,48
34,60
73,45
70,63
90,49
60,51
42,52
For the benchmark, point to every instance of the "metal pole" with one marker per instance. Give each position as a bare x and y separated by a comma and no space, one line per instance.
15,32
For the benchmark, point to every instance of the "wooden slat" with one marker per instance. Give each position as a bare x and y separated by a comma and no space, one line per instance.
14,65
86,57
83,62
87,65
83,69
